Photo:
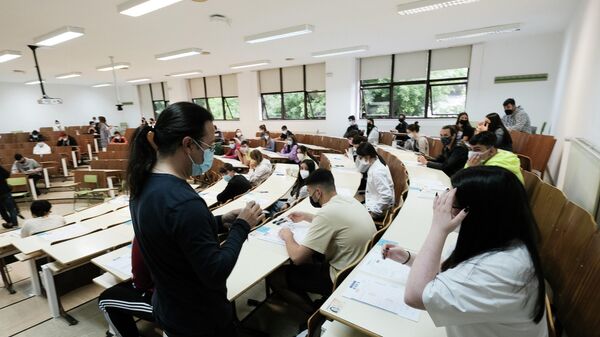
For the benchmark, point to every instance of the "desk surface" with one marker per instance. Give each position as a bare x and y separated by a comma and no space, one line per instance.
97,210
271,154
234,162
210,194
340,161
104,262
315,147
409,229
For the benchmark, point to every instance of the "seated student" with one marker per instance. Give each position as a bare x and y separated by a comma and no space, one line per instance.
262,129
285,133
401,128
372,132
493,123
290,149
464,130
118,139
352,127
299,190
8,208
492,283
415,141
303,153
350,137
230,149
65,140
354,143
516,118
243,152
269,142
57,126
336,238
218,135
42,219
454,155
379,195
237,184
35,136
239,136
29,166
92,128
120,303
260,168
484,152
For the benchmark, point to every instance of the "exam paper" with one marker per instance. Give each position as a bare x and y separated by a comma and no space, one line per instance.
375,265
63,233
122,264
271,233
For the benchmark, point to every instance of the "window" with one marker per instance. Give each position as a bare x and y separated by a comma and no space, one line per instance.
217,94
159,97
293,92
425,84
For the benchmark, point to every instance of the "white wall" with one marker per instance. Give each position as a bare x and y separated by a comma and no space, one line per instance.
19,109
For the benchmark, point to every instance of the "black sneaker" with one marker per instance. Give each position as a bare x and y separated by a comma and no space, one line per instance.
7,226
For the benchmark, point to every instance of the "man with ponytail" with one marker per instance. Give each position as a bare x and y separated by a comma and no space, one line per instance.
176,232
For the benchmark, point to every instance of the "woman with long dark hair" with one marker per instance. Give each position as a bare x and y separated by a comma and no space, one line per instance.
492,284
493,123
463,127
176,232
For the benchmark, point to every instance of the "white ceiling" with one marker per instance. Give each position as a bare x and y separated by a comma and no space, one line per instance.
338,23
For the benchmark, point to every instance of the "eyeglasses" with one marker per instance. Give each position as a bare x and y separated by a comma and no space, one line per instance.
206,146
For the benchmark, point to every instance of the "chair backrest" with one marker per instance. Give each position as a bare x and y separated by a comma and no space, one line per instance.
386,138
519,141
18,184
525,162
435,147
547,206
90,179
539,148
532,183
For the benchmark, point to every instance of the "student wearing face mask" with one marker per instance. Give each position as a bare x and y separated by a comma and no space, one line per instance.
65,140
243,152
57,126
218,135
262,129
237,184
416,142
351,127
35,136
484,153
339,230
239,137
516,119
356,141
464,130
401,128
176,232
118,139
268,141
299,191
454,155
303,153
260,168
493,123
285,133
372,132
230,149
290,149
379,196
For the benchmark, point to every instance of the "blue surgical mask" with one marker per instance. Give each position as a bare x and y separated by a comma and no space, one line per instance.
198,169
227,178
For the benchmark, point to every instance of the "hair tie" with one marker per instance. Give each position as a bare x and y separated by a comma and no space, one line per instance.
150,138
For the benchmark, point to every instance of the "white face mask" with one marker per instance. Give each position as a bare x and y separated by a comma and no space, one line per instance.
289,142
475,153
239,134
300,156
363,165
232,146
304,174
243,149
266,137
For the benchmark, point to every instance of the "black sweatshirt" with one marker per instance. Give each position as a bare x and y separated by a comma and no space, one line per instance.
236,186
4,174
451,160
178,239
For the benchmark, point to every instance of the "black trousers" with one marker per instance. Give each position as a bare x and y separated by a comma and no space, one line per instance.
8,209
123,301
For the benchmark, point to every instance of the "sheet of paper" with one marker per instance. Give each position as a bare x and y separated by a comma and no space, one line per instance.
120,200
63,233
271,233
258,198
122,263
380,293
374,264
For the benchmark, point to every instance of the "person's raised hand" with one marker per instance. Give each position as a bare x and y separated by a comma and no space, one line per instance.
252,214
443,219
394,252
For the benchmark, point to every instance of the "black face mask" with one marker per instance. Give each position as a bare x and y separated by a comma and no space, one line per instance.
314,204
508,112
401,119
446,140
464,122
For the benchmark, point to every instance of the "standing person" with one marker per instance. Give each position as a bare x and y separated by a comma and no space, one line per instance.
454,155
8,208
372,132
104,132
516,119
416,142
351,127
42,219
493,123
464,130
176,231
379,196
57,126
237,184
492,284
401,128
285,133
290,149
29,166
269,142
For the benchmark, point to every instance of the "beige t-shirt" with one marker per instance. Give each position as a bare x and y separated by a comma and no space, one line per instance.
41,224
340,231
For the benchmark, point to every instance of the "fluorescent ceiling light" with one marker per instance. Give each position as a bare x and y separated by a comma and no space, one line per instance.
109,67
186,73
465,34
249,64
137,8
7,55
34,82
280,34
68,75
138,80
422,6
341,51
101,85
58,36
178,54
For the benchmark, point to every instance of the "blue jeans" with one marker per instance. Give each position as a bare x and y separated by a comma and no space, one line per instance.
8,209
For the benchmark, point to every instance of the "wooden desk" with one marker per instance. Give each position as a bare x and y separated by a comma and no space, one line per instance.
95,211
340,161
409,230
102,175
315,147
234,162
104,262
273,156
210,194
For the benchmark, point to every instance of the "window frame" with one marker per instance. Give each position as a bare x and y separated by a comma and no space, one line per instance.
164,101
222,98
428,82
282,99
